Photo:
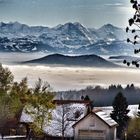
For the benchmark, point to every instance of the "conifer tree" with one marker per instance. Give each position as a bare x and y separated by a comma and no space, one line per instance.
138,114
119,113
6,79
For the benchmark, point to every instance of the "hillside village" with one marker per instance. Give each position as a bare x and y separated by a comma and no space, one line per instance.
71,120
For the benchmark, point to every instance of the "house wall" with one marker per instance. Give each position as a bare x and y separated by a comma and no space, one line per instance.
112,133
86,123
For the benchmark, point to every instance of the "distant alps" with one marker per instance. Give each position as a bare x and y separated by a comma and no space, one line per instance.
70,38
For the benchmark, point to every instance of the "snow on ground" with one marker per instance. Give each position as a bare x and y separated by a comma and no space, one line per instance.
54,127
133,109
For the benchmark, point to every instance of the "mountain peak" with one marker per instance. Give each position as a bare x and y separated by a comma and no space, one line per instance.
108,27
70,24
77,24
16,22
70,27
10,23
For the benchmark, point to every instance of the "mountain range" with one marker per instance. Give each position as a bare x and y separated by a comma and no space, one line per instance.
64,60
70,38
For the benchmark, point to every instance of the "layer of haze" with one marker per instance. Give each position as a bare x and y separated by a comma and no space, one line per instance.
64,78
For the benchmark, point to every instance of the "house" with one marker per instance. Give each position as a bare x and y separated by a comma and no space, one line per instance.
97,125
12,127
66,113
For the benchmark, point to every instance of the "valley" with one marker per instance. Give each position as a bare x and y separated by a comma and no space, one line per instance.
68,78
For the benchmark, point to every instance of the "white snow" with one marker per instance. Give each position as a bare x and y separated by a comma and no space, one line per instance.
54,126
34,49
133,110
104,116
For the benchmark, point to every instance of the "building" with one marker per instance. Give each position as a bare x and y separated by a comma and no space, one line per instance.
65,114
95,126
12,127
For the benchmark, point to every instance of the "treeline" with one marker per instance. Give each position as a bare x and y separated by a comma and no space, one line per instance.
104,96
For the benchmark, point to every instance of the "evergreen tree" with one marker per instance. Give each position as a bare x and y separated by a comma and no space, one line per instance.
6,79
82,97
87,98
90,106
7,104
119,113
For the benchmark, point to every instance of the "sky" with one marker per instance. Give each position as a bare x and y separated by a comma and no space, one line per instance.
91,13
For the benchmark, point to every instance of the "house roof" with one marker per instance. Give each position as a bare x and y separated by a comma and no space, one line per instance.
106,118
102,116
61,102
55,123
11,123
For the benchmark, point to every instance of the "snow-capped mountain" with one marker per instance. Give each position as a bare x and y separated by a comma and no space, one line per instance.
74,31
16,29
109,32
108,47
67,38
69,35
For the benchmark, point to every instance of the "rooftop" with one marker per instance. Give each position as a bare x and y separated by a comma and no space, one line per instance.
101,115
106,118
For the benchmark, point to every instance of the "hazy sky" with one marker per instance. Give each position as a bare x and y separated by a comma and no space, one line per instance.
91,13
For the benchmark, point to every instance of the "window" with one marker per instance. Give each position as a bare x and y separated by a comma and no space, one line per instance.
12,131
92,122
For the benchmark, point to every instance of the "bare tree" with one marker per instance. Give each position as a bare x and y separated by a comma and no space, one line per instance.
64,117
61,120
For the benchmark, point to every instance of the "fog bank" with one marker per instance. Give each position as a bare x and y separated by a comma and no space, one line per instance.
66,78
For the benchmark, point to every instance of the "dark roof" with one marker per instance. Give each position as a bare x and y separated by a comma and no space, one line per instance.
60,102
11,123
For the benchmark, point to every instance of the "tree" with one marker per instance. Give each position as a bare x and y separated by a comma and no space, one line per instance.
134,25
87,98
133,131
16,97
63,117
6,79
90,105
138,114
39,104
62,124
7,104
20,91
119,113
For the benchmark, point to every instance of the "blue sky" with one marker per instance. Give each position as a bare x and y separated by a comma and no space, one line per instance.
91,13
